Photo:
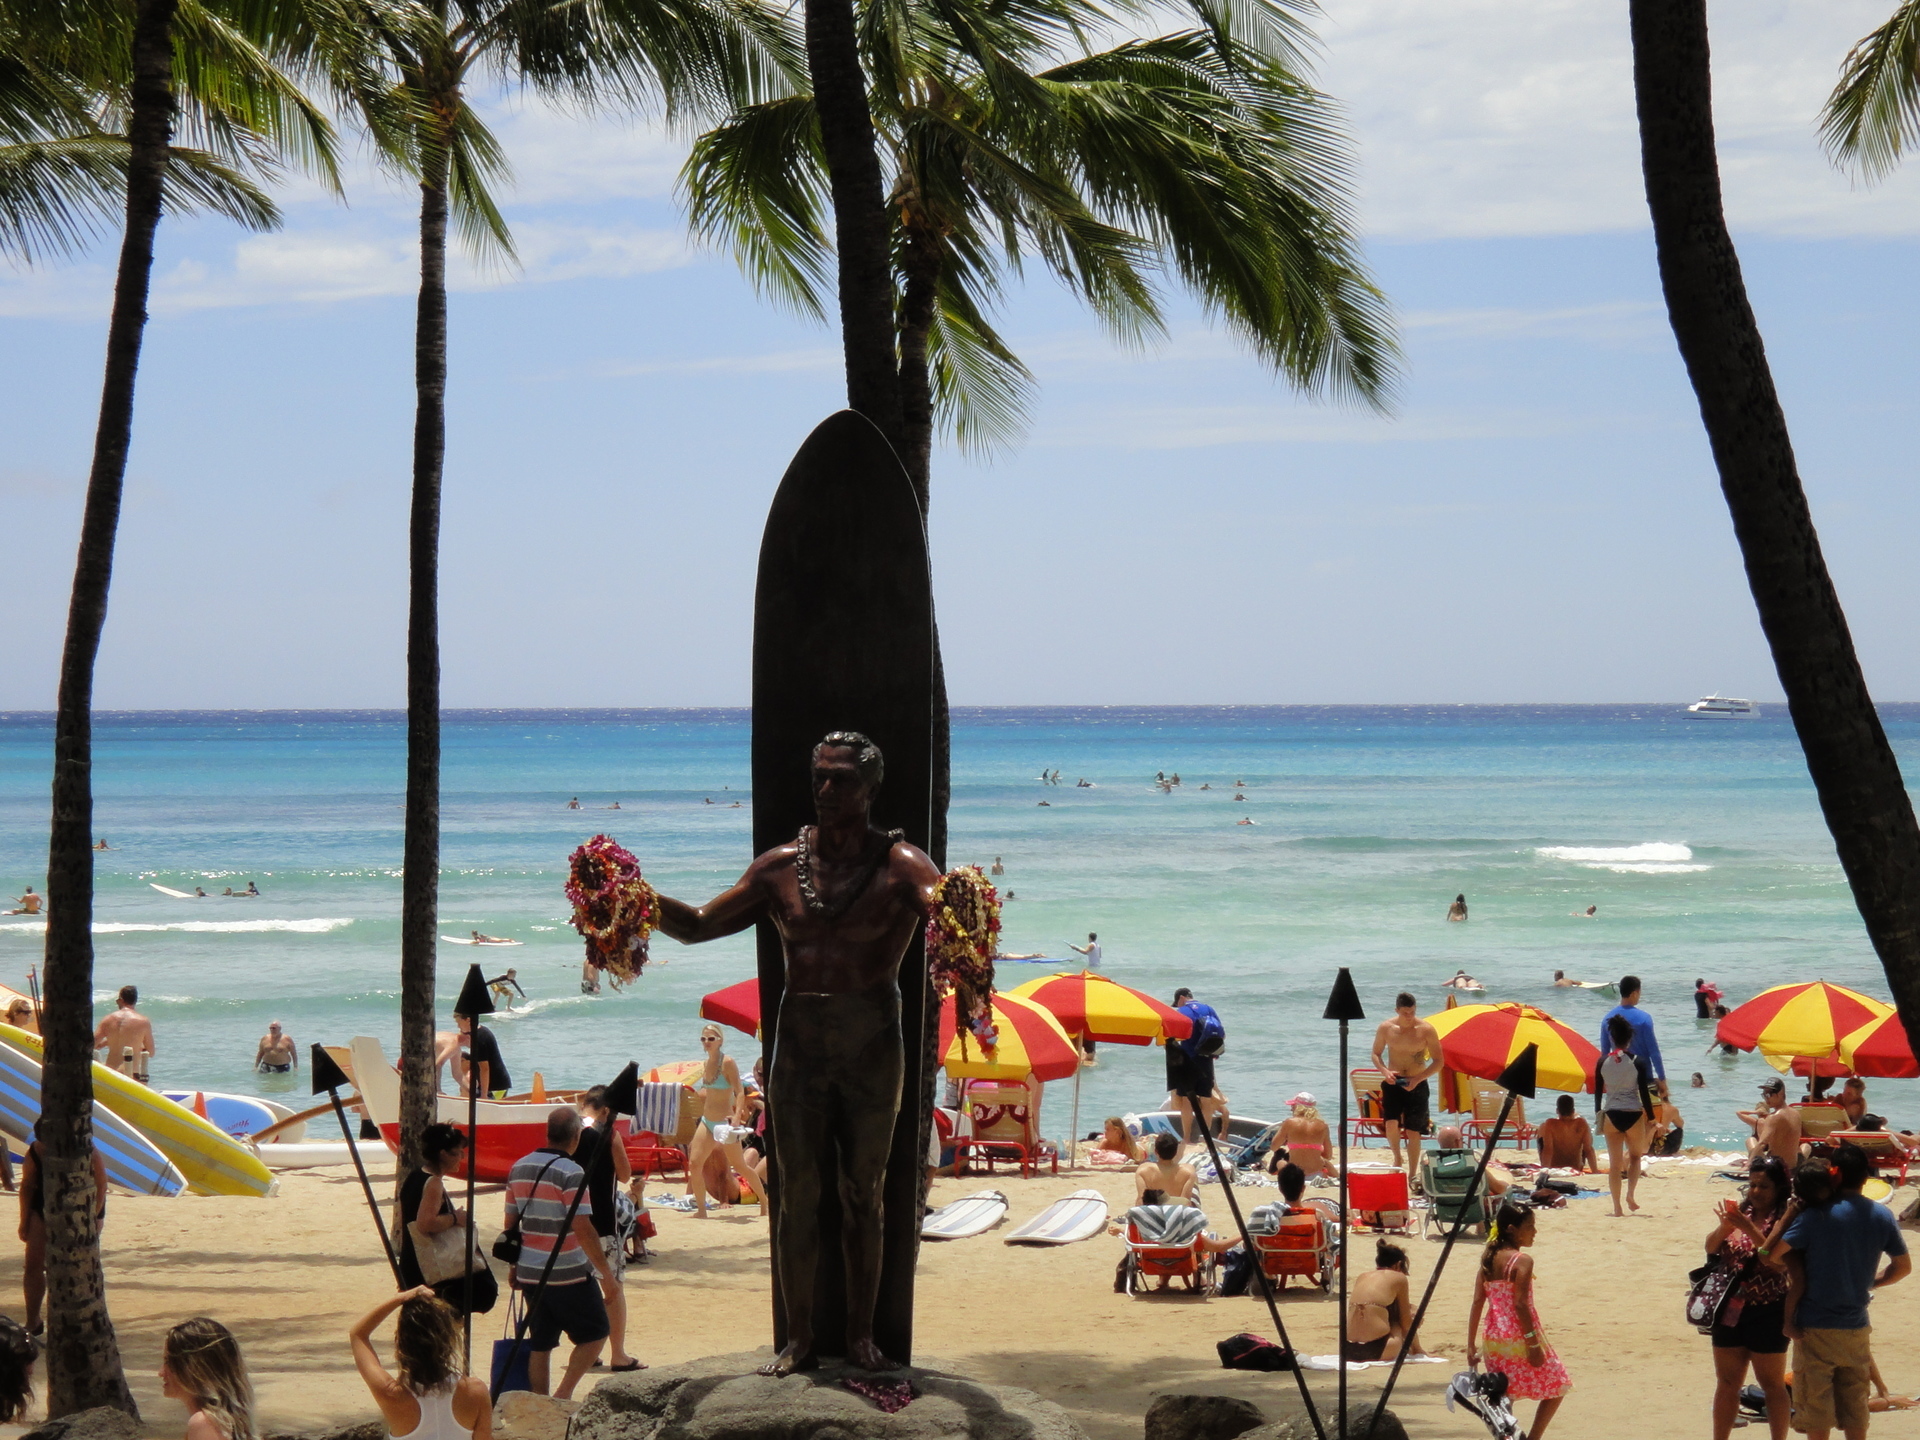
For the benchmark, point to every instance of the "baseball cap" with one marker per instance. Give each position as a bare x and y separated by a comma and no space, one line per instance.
1767,1086
1305,1097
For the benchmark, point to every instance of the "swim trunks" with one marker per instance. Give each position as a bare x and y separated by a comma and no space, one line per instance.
270,1069
1408,1105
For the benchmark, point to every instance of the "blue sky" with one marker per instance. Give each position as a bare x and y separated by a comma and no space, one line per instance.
1538,520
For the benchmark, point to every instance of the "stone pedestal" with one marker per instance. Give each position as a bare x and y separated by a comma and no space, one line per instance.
720,1398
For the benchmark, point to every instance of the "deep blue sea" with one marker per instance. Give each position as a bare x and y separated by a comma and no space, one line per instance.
1699,841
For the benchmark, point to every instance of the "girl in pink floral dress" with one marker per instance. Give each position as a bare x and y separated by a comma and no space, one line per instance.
1515,1345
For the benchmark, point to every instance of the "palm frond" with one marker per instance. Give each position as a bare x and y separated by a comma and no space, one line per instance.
758,187
1873,115
982,393
475,164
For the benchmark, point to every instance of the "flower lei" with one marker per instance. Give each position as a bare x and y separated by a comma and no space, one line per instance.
963,931
613,906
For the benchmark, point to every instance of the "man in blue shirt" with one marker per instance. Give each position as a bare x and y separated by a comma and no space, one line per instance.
1643,1044
1833,1251
1189,1072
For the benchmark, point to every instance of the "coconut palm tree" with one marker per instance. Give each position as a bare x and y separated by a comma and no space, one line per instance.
1202,154
1873,115
686,57
1854,771
136,64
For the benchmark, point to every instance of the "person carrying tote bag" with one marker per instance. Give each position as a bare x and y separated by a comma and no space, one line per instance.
433,1235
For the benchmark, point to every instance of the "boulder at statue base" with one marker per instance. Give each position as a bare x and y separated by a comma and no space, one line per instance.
1359,1417
523,1415
1177,1416
720,1398
103,1422
364,1430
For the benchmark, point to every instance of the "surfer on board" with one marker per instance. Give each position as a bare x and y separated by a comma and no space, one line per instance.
30,903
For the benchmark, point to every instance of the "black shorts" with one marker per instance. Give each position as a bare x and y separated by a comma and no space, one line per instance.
575,1310
1622,1120
1408,1105
1758,1330
1189,1074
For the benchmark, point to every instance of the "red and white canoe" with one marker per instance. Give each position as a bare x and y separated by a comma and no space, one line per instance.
508,1129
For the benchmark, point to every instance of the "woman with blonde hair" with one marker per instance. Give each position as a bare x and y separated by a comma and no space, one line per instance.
201,1366
1117,1140
720,1091
429,1399
1302,1137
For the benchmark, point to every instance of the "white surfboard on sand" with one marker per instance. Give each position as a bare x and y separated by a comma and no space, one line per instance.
468,940
972,1215
1079,1216
176,894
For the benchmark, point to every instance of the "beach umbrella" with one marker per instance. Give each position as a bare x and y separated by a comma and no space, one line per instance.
1483,1040
1456,1090
737,1005
1093,1007
1807,1020
1096,1008
1880,1048
1030,1042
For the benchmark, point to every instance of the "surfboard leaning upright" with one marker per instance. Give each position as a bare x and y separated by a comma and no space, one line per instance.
843,640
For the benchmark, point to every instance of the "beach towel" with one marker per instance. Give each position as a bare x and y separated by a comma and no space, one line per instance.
659,1108
1265,1219
1168,1225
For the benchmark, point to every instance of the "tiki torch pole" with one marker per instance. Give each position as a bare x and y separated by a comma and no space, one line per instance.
474,1001
1343,1005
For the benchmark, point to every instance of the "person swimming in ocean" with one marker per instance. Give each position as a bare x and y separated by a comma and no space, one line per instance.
1457,910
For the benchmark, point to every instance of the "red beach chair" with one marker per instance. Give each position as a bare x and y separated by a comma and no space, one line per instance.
1303,1245
649,1155
1153,1254
1379,1200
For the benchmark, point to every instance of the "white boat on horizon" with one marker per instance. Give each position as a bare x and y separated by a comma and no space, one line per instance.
1724,706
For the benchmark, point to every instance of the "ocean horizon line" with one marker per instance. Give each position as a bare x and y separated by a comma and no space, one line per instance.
1630,709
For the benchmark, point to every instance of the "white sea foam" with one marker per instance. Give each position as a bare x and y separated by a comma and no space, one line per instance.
197,927
1657,857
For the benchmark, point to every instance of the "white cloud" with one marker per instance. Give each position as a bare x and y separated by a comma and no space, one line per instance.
1626,320
1515,117
1180,427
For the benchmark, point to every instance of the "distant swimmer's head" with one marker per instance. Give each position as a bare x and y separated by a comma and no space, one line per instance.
1629,989
1166,1146
129,996
1405,1003
1559,974
1460,899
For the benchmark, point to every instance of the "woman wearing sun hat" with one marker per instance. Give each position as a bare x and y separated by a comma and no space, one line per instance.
1302,1137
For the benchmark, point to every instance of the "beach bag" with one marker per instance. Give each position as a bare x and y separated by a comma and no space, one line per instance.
508,1243
442,1255
1713,1285
1236,1271
1247,1351
1209,1038
510,1354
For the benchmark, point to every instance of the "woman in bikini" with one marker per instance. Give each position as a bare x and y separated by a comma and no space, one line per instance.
720,1091
1515,1345
1623,1092
1302,1137
1380,1309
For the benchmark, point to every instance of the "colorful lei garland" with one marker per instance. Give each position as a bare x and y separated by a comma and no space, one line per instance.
613,906
963,932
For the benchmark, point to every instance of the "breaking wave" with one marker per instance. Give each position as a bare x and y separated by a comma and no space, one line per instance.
1657,857
195,927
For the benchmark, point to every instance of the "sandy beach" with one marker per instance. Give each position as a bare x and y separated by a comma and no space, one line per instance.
291,1273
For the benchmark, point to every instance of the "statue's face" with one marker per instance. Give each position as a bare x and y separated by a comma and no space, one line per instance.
838,789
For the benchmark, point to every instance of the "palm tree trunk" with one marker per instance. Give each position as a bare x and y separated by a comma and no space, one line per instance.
83,1356
920,262
1854,772
420,883
860,219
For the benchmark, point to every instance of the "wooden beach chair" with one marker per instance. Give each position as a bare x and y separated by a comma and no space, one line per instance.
1004,1120
1487,1100
1367,1125
1820,1118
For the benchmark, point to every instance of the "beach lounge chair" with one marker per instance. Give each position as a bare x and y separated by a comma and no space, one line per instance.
1820,1118
1446,1178
1005,1123
1889,1157
1367,1125
649,1155
1379,1200
1487,1100
1164,1242
1293,1242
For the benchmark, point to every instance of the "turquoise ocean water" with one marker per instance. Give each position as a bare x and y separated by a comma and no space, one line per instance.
1699,840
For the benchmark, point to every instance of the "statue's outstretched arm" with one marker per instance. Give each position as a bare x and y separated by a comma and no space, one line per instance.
728,913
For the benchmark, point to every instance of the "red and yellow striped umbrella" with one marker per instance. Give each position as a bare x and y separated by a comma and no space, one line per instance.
1880,1047
1483,1040
1030,1042
1105,1010
1800,1021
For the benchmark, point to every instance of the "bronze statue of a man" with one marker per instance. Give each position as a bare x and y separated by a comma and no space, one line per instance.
847,900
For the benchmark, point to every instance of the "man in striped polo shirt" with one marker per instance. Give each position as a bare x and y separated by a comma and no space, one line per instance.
540,1191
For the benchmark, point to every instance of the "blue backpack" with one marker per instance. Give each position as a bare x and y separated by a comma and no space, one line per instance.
1209,1038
